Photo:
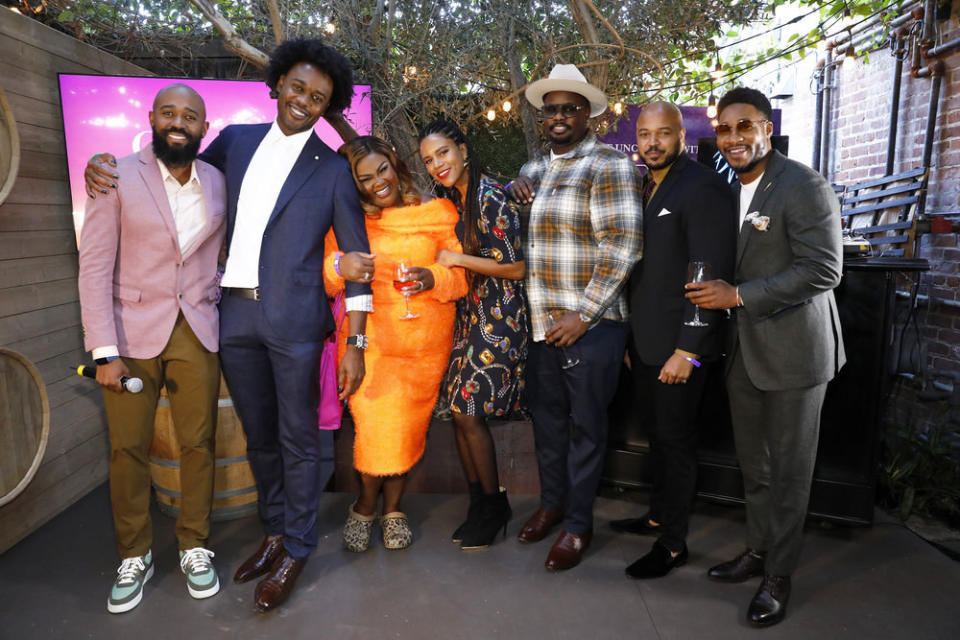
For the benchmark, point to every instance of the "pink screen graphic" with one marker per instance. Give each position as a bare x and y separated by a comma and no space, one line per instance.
109,114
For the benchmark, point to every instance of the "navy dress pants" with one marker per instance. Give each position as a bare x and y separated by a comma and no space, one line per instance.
275,388
569,407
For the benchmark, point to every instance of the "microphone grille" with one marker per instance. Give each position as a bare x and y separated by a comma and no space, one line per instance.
134,385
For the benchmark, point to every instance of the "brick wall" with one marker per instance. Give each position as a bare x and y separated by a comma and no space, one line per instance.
860,124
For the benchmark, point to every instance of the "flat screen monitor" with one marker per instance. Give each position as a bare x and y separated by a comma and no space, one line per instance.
109,113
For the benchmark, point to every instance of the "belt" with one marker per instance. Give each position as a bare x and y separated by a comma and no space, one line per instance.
249,294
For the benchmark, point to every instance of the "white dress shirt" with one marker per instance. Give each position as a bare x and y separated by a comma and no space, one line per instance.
267,172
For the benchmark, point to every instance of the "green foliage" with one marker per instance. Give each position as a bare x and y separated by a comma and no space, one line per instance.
920,471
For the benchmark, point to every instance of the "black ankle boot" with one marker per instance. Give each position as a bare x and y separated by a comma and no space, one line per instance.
494,514
476,493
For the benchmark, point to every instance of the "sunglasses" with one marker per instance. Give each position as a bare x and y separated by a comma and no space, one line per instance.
567,110
741,127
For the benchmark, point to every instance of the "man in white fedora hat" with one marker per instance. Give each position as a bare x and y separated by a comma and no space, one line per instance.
585,235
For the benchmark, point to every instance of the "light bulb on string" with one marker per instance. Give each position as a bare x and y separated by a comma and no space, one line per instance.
507,106
491,115
330,28
712,107
618,108
717,70
850,55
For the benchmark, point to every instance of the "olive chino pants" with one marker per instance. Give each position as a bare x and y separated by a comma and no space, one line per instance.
191,375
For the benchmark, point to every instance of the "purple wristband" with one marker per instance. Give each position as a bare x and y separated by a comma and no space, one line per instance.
692,361
336,263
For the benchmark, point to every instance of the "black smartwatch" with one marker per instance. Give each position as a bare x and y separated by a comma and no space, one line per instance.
359,341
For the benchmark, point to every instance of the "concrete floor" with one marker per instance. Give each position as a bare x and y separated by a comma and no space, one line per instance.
879,582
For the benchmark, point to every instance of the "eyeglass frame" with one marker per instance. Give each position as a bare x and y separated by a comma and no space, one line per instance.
565,110
743,125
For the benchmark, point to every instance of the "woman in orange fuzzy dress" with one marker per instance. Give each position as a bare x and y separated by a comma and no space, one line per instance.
406,359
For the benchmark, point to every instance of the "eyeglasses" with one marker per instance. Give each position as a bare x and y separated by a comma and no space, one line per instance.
741,127
567,110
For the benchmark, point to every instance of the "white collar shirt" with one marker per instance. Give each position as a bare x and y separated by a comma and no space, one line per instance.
186,204
268,170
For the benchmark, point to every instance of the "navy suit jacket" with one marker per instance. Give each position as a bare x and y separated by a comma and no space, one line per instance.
318,194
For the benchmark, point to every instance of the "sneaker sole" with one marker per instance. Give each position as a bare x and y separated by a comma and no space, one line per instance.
126,606
205,593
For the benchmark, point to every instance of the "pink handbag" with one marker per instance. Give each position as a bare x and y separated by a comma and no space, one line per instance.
330,410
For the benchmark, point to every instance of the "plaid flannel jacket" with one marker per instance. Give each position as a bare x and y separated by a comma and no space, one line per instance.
585,233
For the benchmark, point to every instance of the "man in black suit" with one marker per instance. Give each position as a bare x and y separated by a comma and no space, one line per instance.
688,214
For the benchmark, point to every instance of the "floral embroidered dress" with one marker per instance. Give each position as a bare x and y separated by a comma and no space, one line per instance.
485,373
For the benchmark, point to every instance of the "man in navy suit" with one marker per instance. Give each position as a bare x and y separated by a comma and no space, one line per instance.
285,190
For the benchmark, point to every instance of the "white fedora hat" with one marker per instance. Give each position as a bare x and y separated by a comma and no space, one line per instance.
566,77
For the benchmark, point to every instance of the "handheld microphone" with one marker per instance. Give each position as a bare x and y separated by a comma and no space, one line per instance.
133,385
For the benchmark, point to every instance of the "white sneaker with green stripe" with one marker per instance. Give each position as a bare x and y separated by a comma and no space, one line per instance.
127,589
202,581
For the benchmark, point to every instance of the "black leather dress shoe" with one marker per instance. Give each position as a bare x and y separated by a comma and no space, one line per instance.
657,563
638,526
260,562
769,605
748,564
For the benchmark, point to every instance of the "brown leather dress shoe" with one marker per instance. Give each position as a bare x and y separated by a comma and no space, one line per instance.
567,551
260,562
539,525
274,590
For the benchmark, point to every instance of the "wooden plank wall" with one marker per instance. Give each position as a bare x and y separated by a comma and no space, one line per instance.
39,308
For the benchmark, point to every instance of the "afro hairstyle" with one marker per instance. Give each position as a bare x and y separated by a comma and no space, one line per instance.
321,56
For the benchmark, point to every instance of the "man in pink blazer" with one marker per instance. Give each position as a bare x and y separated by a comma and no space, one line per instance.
148,292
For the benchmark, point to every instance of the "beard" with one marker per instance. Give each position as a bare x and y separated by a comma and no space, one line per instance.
171,156
668,158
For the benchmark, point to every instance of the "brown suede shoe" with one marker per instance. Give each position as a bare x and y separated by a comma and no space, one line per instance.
539,525
260,562
567,551
274,590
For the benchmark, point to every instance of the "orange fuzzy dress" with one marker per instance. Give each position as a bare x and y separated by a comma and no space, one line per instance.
406,359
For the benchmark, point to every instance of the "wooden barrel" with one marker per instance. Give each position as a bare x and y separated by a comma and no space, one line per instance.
9,149
234,491
24,423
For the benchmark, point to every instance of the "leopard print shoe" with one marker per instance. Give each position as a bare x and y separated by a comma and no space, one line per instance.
396,531
357,530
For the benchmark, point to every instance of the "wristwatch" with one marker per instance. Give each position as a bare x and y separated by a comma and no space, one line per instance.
359,341
106,360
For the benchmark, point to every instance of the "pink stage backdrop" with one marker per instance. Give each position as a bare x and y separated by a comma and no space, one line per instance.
109,113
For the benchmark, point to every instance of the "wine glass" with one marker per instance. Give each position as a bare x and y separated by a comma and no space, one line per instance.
401,284
569,361
697,271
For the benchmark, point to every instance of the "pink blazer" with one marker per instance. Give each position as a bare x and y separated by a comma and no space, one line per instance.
133,279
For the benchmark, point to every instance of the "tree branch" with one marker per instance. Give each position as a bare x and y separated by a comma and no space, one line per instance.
275,20
232,41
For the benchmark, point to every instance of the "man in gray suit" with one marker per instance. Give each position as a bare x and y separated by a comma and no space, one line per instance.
785,342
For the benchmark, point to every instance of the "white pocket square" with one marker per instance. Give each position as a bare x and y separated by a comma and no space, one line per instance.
664,212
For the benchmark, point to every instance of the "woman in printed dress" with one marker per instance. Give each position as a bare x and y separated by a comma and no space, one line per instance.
485,373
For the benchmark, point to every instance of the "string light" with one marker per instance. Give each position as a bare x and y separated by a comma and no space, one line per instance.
635,157
717,70
712,107
618,108
850,55
491,115
847,20
507,106
330,28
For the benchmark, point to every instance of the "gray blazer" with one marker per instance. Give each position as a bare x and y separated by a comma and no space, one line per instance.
788,328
